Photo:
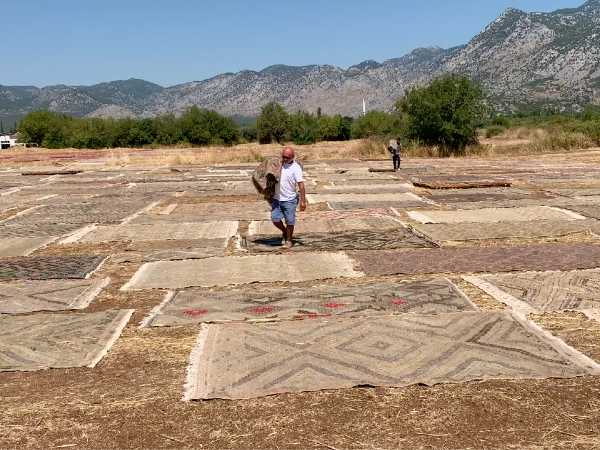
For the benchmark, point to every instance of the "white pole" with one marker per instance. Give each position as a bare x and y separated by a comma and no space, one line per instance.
364,107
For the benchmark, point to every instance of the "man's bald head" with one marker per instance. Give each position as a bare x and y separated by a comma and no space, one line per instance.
287,153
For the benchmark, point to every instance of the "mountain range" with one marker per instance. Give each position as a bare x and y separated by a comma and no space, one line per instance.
521,59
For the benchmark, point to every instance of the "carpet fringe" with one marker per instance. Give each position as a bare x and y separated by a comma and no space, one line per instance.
126,315
194,367
145,323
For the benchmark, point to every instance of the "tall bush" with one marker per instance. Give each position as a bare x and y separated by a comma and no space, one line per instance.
445,113
272,124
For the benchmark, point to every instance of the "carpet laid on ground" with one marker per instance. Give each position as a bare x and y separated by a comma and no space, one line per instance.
325,225
549,291
312,355
44,341
19,297
345,240
490,215
503,230
232,270
48,267
539,257
364,198
22,246
194,306
162,232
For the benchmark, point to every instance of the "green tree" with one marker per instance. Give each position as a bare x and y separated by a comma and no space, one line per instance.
303,128
376,123
272,123
445,113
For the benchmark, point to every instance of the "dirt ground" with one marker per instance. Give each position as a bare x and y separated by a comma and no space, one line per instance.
133,397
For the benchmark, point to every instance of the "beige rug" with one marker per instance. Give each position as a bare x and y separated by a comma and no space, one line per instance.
233,270
249,360
19,297
162,232
45,341
502,230
194,306
17,246
489,215
544,291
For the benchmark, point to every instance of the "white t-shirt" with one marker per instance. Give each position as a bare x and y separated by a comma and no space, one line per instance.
291,174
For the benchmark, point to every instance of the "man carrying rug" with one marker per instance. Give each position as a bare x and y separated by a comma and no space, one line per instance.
285,201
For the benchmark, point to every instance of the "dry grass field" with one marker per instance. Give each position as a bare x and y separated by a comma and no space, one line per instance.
133,397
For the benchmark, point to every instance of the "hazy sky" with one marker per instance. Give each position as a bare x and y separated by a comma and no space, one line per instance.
174,41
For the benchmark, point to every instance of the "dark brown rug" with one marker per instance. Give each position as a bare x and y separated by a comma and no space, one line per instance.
487,259
48,267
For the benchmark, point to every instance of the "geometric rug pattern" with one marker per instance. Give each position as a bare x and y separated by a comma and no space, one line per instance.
347,240
238,361
552,291
19,297
48,267
194,306
44,341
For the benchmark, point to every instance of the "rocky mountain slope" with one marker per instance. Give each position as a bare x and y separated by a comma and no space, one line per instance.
520,58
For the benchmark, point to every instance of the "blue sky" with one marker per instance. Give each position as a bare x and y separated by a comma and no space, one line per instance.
169,42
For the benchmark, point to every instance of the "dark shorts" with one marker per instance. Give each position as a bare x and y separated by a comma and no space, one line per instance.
284,210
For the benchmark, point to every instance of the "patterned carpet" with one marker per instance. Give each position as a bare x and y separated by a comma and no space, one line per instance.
232,270
552,291
162,232
44,341
539,257
195,306
502,230
378,351
348,240
30,296
492,215
48,267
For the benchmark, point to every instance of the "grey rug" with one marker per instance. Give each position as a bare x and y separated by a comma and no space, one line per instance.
44,341
249,360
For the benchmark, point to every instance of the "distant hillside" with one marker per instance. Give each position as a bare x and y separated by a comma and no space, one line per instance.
521,59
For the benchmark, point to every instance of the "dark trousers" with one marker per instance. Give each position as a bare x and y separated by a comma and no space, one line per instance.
396,160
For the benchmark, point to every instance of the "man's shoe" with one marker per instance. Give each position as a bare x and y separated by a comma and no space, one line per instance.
288,244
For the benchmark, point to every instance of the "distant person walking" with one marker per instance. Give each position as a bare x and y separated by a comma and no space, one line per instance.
285,201
394,147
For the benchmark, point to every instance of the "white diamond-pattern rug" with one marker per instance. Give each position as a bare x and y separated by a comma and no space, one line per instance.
252,360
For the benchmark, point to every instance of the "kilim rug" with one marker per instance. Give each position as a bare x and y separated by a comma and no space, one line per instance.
539,257
22,246
345,240
48,267
44,341
458,183
591,211
242,270
193,306
325,225
478,195
250,360
345,206
162,232
29,296
364,198
548,291
489,215
502,230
